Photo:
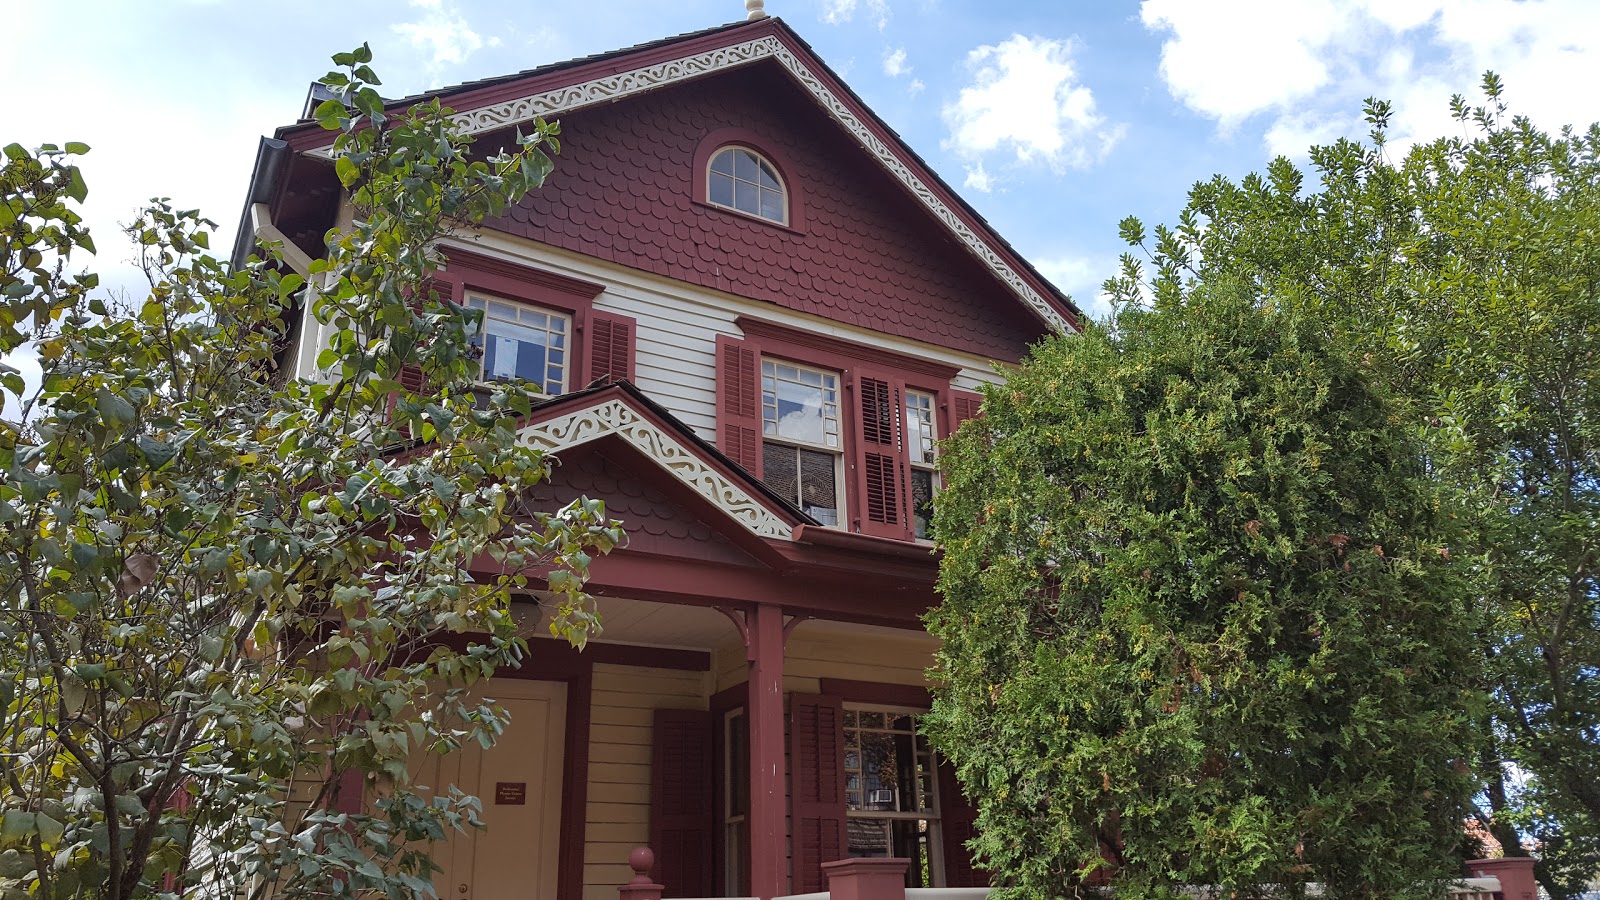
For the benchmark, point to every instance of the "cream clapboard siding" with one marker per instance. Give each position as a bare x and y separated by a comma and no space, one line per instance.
816,651
675,355
623,704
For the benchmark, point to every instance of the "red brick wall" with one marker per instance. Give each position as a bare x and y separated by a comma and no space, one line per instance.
866,252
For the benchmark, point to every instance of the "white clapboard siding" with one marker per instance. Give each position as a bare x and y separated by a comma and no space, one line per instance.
624,701
678,324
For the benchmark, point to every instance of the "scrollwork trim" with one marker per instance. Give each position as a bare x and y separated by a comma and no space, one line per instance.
614,417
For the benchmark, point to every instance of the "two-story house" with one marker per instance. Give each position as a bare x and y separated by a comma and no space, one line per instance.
755,312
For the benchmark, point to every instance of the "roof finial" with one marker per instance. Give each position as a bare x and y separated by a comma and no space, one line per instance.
755,9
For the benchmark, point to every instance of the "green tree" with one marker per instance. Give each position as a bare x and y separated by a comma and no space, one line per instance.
1467,276
1198,623
222,591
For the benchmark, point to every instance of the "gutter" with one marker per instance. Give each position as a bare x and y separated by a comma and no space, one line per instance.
255,222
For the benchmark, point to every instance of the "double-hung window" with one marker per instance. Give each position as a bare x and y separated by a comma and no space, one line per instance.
801,451
921,437
522,342
891,801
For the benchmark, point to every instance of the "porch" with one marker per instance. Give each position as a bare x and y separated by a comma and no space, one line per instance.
748,743
884,879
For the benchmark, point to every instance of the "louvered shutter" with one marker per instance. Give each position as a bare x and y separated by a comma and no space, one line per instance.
881,479
739,402
681,817
609,346
816,787
963,405
957,818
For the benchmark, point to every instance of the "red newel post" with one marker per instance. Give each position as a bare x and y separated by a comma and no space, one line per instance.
1515,874
641,860
867,879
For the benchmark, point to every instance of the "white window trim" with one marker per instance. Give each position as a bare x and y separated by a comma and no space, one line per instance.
762,158
569,338
842,519
935,817
933,467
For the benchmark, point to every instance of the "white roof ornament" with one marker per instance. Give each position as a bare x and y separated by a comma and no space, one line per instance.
755,9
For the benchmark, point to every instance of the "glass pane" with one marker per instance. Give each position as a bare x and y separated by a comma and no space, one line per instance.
769,178
745,167
921,501
910,841
723,162
849,718
720,188
819,495
503,311
872,720
868,837
780,471
771,206
746,198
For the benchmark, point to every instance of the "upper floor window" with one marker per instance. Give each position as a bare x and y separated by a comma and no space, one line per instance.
800,450
523,342
741,179
921,438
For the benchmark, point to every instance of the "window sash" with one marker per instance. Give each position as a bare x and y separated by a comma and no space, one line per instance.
742,180
507,327
780,383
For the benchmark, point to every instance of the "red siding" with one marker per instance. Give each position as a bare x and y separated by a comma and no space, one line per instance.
868,254
654,522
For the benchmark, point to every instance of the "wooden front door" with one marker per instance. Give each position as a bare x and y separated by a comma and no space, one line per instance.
518,781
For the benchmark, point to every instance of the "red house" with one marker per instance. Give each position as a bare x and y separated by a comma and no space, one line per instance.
792,310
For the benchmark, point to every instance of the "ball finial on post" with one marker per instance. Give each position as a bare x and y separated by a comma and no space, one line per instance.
755,9
641,861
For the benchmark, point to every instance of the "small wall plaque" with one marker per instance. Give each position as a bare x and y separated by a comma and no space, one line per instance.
510,793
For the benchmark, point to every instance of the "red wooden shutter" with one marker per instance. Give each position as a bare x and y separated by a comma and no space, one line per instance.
880,456
411,378
816,787
957,818
681,818
609,346
964,405
739,402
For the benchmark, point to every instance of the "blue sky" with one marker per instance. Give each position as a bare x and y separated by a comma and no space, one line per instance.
1054,118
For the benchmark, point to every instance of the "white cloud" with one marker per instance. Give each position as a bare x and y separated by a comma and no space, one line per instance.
1307,64
1025,98
1081,277
441,32
894,62
977,178
838,12
915,87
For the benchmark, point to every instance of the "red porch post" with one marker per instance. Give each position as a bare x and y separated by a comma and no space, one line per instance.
768,856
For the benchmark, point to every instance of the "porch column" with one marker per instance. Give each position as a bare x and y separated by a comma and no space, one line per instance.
768,853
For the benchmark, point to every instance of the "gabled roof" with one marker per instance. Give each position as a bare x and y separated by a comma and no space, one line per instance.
496,103
620,411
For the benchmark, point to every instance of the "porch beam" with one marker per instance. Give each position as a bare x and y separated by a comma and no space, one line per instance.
768,853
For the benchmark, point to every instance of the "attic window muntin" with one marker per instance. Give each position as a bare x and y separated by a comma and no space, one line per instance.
742,180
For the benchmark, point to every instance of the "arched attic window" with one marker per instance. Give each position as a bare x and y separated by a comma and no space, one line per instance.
743,180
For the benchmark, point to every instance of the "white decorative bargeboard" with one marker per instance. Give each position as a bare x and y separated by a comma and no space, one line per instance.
637,81
614,417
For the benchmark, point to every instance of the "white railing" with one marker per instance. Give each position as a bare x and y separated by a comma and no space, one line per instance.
1465,889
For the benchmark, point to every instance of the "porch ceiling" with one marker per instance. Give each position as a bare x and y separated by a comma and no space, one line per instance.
650,624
